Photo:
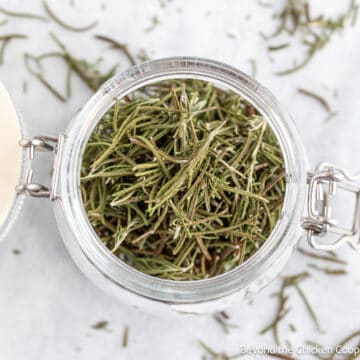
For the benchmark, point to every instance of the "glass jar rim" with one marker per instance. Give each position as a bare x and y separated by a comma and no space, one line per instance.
113,268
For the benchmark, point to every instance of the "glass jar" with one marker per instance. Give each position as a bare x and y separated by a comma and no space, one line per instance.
125,282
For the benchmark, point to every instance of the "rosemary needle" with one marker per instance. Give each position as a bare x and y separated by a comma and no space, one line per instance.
283,308
278,47
344,342
5,40
100,325
63,24
37,72
116,45
323,257
88,72
316,97
125,340
22,15
154,23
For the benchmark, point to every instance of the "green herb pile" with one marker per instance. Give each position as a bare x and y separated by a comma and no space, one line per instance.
184,181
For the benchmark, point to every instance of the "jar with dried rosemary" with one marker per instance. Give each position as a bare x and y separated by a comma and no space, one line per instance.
183,180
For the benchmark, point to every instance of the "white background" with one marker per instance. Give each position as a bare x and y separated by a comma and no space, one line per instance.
47,306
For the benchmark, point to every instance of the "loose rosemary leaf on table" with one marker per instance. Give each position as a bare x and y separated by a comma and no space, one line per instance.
298,25
183,180
5,40
283,307
50,12
88,72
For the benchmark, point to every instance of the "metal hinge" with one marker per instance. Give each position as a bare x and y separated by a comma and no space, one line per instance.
42,143
323,184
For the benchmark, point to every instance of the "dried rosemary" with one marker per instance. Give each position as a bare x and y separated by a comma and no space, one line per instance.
222,318
353,352
183,181
23,15
125,339
100,325
65,25
88,72
283,309
5,40
296,21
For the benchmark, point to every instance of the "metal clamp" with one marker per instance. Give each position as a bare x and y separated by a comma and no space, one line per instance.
322,184
42,143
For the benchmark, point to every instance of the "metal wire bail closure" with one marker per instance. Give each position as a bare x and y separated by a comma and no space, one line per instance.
41,143
322,184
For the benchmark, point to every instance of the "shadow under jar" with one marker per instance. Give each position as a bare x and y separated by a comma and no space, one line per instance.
305,193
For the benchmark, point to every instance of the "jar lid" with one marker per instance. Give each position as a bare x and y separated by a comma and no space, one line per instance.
10,161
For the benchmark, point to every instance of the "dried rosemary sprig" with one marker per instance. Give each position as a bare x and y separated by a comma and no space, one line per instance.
183,181
34,66
65,25
154,23
100,325
322,256
352,352
119,46
327,270
24,15
5,40
222,318
125,339
88,72
314,33
217,355
283,309
323,102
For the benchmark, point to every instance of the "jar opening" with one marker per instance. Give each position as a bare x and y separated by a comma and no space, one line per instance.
183,179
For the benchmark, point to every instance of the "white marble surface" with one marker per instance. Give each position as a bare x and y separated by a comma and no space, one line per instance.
47,306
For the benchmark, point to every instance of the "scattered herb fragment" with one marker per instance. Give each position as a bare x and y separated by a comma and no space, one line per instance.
100,325
330,116
125,340
278,47
217,355
222,319
63,24
88,72
295,19
116,45
154,23
328,271
33,65
316,97
5,40
354,354
24,15
328,258
279,356
283,309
